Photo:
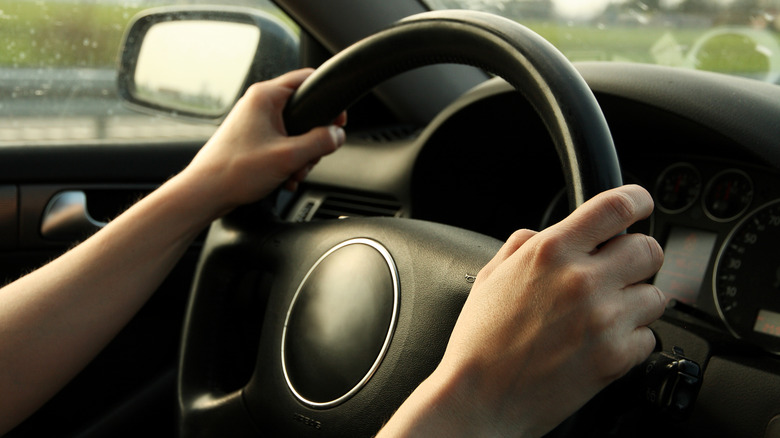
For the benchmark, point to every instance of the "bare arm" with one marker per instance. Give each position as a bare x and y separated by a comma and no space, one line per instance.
550,321
56,319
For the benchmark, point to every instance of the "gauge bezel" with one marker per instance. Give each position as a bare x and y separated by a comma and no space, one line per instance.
661,178
716,270
705,193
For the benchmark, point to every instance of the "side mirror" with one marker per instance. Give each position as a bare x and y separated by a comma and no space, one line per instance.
196,62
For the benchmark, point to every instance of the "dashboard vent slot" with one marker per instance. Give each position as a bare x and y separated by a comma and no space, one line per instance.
388,134
342,206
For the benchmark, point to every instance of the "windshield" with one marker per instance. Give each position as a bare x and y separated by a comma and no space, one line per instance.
737,37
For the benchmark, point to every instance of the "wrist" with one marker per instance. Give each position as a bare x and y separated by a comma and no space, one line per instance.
439,406
201,190
453,401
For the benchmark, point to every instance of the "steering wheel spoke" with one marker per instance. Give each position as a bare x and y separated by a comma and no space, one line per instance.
435,267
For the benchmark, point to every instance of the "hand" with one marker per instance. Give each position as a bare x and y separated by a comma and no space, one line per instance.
550,321
250,154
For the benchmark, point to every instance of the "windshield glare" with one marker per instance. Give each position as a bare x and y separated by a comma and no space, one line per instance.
737,37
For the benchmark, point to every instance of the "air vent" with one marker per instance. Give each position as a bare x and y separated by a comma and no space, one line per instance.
320,206
339,207
388,134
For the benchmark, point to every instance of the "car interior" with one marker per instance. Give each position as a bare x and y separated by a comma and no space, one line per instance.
451,146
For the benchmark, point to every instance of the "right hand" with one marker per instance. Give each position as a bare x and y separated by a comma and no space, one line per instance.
551,320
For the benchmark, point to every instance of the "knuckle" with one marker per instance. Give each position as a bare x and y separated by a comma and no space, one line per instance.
622,206
642,252
645,345
254,91
254,88
522,234
654,251
518,239
656,300
264,95
582,279
601,320
549,250
614,360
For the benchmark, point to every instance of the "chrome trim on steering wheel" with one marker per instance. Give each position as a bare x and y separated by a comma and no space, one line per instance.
388,336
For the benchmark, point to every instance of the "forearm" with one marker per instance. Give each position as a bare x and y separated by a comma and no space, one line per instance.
427,412
67,311
447,403
53,321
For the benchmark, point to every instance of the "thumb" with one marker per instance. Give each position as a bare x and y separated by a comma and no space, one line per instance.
318,142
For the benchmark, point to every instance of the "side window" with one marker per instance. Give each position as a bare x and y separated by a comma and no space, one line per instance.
58,74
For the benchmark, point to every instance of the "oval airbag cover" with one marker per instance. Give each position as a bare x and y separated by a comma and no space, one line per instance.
340,323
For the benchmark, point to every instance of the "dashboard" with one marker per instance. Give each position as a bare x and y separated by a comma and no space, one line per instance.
717,205
703,145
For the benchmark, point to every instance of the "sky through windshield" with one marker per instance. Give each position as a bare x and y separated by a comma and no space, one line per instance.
737,37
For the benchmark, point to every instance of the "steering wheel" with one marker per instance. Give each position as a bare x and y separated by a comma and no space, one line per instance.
324,329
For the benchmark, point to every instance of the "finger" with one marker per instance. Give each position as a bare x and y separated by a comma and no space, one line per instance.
631,258
309,147
301,174
292,79
341,120
644,303
604,216
638,346
515,241
296,178
274,93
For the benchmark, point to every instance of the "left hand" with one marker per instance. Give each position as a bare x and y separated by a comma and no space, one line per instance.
250,154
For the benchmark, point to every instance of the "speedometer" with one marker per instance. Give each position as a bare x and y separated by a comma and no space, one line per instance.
747,278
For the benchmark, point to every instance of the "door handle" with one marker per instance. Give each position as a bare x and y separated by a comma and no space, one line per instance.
66,217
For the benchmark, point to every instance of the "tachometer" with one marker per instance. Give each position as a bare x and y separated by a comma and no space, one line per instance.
677,188
746,281
728,195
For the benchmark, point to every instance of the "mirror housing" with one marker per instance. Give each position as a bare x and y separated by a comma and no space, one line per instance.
196,62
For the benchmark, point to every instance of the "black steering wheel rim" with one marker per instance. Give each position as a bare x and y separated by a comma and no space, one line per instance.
496,44
528,62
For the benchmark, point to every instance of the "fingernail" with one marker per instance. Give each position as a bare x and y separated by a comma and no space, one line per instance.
337,134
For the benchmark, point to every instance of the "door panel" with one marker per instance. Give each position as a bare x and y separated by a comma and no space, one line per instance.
129,389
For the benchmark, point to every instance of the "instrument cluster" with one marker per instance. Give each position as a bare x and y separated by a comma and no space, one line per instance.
719,225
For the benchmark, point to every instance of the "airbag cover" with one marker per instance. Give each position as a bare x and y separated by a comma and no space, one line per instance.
340,323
